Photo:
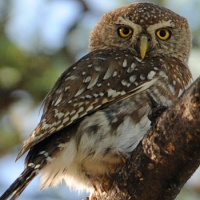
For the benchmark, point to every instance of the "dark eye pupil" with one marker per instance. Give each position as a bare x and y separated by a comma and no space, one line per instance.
162,33
125,31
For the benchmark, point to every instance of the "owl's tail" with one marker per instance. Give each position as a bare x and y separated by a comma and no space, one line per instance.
20,184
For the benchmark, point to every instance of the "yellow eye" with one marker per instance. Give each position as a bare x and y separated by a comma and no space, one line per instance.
125,31
163,33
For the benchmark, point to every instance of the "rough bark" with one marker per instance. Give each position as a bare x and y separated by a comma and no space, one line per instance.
167,156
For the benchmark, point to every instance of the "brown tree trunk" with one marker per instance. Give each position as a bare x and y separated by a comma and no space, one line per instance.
167,156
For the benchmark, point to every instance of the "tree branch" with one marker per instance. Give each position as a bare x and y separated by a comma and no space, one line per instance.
167,156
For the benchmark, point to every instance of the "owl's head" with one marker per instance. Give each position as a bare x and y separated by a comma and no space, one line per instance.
145,29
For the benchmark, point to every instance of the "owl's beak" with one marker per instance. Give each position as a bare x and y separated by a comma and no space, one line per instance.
143,45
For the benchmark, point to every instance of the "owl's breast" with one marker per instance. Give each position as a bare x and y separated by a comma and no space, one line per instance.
110,134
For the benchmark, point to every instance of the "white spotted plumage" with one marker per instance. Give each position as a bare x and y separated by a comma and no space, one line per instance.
97,112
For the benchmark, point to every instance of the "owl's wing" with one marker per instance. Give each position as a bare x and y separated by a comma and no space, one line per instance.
99,79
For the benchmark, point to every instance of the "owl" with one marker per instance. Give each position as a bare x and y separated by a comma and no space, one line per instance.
97,111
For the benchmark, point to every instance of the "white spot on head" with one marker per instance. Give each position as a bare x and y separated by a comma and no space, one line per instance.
141,21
